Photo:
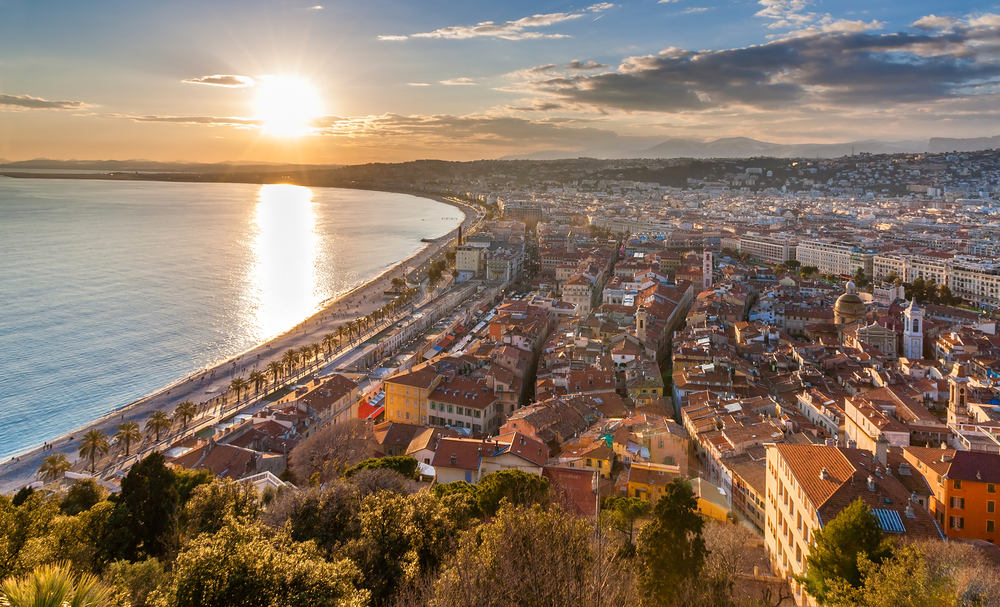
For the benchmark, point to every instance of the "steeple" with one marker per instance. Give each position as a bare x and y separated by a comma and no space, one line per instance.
913,331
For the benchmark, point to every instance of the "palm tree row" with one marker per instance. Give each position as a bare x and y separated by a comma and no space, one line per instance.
95,443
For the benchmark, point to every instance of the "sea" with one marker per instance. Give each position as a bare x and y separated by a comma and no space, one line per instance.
110,290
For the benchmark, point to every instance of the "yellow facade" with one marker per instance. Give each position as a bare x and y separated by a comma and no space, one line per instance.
406,403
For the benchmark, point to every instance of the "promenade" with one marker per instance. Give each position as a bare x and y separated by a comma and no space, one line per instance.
208,388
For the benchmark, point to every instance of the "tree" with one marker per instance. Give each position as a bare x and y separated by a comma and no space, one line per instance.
324,455
24,525
238,385
305,353
93,446
328,340
792,264
135,582
374,480
212,502
328,515
53,467
54,585
290,359
256,378
145,518
534,552
275,368
81,496
403,464
515,486
905,578
185,412
127,434
247,564
808,271
836,547
622,513
671,549
157,423
860,278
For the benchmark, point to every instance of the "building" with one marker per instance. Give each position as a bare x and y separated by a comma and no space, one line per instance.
849,308
808,485
771,250
406,395
963,486
837,259
470,261
913,331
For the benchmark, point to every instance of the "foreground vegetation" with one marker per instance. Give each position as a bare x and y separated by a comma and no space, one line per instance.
376,537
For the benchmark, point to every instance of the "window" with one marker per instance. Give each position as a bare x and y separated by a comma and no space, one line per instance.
450,409
991,506
956,522
989,527
432,405
991,488
958,484
590,462
958,502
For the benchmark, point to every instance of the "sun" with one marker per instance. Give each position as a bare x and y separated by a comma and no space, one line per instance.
286,106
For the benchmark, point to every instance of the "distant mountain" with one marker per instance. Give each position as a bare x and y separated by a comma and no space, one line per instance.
743,147
948,144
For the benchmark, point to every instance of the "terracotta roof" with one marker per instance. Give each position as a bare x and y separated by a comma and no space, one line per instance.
975,466
458,453
423,377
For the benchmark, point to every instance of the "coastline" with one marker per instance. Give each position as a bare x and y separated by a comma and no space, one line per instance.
204,384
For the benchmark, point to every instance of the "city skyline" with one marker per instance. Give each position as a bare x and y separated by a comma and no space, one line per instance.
387,81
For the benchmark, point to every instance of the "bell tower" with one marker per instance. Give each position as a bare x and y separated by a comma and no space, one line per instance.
913,331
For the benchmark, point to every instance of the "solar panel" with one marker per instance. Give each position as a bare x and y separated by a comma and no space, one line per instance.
889,520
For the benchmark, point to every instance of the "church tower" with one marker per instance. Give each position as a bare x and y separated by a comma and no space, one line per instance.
958,395
707,265
913,331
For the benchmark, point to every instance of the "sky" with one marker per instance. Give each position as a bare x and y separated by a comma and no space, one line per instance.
386,81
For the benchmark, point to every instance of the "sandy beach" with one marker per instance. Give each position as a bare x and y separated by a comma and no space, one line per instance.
206,384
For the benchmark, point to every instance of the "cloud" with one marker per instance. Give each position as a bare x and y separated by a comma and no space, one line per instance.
227,80
836,68
667,1
37,103
517,29
459,82
933,22
576,64
418,84
201,120
694,10
829,25
315,7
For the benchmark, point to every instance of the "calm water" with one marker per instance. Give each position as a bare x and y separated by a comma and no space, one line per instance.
111,290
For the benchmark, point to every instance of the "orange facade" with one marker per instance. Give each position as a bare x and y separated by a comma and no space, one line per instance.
964,490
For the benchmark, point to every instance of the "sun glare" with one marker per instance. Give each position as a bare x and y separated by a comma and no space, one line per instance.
286,106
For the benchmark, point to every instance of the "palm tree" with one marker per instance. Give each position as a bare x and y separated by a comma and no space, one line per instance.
157,422
291,358
340,333
238,385
351,326
257,379
127,434
54,585
53,467
328,342
316,348
305,352
94,445
185,412
275,368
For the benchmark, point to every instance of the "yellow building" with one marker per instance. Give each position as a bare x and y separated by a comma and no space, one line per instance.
647,480
595,455
406,395
711,500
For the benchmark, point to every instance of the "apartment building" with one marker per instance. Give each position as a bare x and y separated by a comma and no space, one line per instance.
771,250
833,258
808,485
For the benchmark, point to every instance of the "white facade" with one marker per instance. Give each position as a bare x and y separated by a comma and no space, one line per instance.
831,258
913,332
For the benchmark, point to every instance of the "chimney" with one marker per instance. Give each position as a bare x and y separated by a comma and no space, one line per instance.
871,483
824,474
881,449
908,511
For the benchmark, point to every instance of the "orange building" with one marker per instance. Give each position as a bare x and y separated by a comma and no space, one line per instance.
963,488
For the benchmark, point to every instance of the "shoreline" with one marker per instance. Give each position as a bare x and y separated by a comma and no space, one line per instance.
203,385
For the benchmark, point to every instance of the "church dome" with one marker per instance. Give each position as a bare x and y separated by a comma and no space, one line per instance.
849,306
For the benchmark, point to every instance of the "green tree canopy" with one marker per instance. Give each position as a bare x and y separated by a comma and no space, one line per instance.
671,549
249,565
403,464
519,488
836,547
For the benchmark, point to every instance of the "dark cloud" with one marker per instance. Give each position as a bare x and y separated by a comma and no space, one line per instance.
37,103
230,80
576,64
856,68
